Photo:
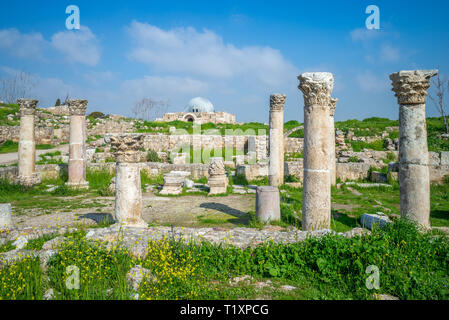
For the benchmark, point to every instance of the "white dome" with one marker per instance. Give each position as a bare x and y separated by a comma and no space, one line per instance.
200,104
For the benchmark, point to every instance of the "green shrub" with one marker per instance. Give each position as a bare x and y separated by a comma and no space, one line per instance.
152,156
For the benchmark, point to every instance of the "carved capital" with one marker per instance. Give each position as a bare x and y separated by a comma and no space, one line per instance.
410,87
333,106
127,146
216,167
77,107
316,87
27,106
277,102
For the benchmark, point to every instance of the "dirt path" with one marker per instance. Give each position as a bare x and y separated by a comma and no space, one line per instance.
189,211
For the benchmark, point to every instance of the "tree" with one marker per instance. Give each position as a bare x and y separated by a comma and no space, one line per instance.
438,98
17,86
58,102
149,109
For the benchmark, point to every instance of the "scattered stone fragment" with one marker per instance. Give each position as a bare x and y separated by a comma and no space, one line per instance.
20,243
369,220
137,274
49,294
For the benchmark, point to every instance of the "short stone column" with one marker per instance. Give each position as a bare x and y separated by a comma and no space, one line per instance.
77,147
276,142
410,88
333,164
218,181
5,217
128,192
268,207
316,206
27,144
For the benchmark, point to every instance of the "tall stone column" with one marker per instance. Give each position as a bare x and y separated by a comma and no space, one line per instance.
333,165
77,147
27,144
316,206
276,142
410,88
128,192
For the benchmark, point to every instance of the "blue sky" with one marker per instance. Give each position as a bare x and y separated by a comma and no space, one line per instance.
233,52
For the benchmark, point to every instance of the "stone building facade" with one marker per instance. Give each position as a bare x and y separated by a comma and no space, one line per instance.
199,117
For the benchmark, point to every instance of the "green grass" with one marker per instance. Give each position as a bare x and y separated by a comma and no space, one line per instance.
5,110
36,244
412,265
9,146
44,146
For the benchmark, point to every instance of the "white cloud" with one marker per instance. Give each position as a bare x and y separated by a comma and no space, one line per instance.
364,34
388,53
78,45
368,82
22,45
186,50
163,87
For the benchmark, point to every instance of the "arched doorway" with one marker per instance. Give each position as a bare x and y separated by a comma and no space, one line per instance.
189,118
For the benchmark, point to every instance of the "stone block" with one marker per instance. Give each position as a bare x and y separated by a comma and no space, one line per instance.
5,216
369,220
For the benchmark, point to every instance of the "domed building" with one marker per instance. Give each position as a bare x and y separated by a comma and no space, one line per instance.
199,110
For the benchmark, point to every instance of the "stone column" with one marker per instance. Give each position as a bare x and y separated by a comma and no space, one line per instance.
77,147
128,192
276,142
27,144
316,206
5,217
410,88
218,181
333,165
267,204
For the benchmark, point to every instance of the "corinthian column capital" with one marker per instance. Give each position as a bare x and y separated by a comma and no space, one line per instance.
410,87
277,102
27,106
316,88
77,107
127,146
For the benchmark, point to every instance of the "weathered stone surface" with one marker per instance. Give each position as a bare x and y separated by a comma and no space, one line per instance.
370,220
317,88
410,88
267,204
137,274
77,148
77,107
173,182
27,144
444,158
137,239
5,216
126,146
218,181
276,140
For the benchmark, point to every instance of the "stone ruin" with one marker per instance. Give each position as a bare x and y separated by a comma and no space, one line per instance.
414,176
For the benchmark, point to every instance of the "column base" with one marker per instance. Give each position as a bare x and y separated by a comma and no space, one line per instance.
134,224
78,185
218,184
29,181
